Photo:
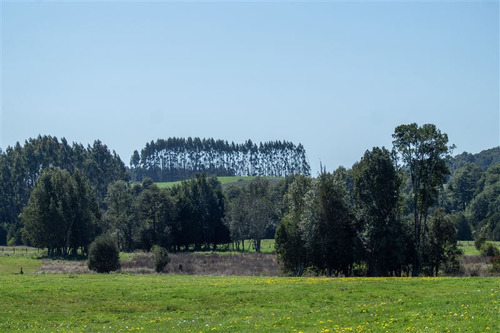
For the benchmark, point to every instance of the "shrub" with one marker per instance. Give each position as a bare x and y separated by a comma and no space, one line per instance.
103,255
161,258
478,243
489,249
495,261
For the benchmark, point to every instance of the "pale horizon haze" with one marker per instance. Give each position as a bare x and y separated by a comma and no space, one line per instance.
337,77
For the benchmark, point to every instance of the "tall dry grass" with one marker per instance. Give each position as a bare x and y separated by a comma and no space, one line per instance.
246,264
476,266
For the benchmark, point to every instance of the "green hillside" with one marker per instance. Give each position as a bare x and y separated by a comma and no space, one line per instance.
223,180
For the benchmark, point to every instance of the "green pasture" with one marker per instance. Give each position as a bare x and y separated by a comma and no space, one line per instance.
469,249
13,258
222,180
122,302
170,303
13,264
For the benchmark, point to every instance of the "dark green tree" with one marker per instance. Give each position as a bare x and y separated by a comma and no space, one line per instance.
22,165
121,216
86,214
61,213
463,185
423,151
464,231
290,247
104,256
102,167
155,209
442,243
328,226
484,209
161,258
201,212
376,190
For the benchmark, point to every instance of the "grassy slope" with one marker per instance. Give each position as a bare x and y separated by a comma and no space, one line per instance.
117,302
469,249
223,180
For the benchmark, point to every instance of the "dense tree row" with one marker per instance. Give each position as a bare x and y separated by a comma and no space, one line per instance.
394,212
178,158
483,159
360,219
472,196
195,215
22,165
62,214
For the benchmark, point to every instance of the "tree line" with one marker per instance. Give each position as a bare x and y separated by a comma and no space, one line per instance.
39,203
176,159
472,197
393,213
62,214
22,165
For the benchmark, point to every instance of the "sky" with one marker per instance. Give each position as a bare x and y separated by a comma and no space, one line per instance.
336,76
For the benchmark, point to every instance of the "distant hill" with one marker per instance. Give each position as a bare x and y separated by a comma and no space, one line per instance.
484,159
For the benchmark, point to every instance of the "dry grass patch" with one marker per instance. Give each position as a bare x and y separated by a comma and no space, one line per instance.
64,266
246,264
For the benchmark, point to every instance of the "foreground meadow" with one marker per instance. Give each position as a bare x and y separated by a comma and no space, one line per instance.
122,302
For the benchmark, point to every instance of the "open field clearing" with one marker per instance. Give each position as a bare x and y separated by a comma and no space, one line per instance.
223,180
121,302
11,264
193,300
469,249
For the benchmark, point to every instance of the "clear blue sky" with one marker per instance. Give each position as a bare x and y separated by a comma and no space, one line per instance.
337,77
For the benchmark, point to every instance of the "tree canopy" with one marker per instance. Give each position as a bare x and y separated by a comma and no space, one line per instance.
178,159
61,213
423,150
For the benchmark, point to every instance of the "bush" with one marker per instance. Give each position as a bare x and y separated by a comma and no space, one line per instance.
161,258
495,261
478,243
489,249
103,255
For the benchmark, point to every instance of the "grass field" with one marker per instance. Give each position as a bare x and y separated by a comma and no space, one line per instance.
121,302
194,303
12,259
13,264
469,249
223,180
